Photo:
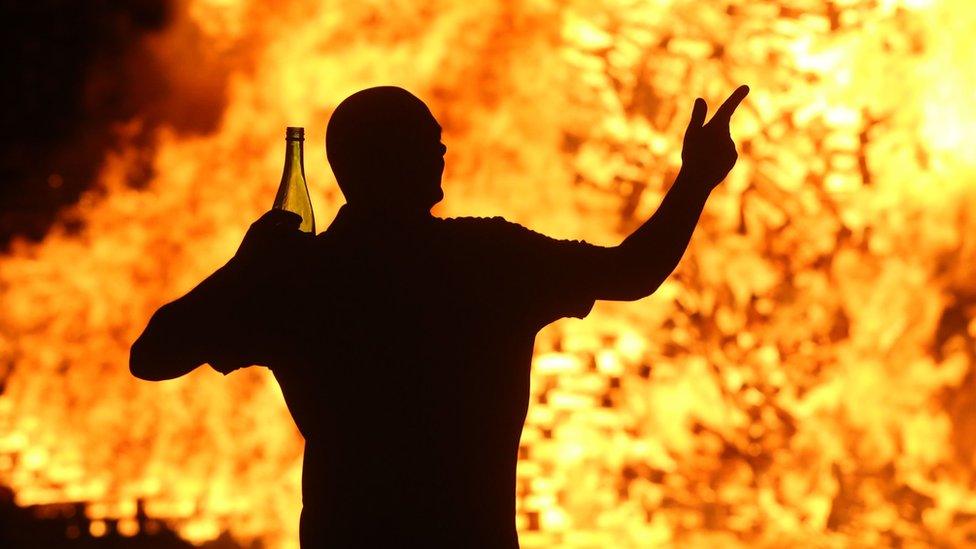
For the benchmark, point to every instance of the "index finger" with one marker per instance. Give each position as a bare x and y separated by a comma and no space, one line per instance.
724,113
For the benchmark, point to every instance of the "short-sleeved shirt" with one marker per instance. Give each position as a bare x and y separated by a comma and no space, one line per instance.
407,371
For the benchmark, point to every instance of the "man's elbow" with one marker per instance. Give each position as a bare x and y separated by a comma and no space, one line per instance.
141,364
160,351
147,362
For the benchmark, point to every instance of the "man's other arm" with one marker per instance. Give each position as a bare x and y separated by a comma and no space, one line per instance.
636,267
183,334
203,325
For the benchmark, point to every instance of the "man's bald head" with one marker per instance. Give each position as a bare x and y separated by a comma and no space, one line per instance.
384,147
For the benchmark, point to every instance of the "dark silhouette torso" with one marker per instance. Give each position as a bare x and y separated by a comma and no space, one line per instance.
407,372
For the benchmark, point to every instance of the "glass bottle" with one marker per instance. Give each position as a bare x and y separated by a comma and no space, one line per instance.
293,190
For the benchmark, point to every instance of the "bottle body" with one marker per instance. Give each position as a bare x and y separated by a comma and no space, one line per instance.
293,191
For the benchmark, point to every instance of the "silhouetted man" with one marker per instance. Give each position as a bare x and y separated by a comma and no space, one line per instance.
402,341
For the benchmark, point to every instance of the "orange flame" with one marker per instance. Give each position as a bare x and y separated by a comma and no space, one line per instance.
807,376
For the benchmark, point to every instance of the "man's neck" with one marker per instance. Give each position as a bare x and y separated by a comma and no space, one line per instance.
385,214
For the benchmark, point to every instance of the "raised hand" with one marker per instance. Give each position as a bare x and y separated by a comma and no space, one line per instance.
708,154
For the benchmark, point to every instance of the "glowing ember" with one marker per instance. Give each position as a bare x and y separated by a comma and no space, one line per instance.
806,376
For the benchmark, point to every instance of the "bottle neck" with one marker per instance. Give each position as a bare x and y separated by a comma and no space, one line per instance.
294,158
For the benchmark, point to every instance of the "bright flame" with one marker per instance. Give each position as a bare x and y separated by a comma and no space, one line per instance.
806,376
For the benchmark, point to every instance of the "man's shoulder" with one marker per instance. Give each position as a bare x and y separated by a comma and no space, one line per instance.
489,226
500,231
472,221
495,233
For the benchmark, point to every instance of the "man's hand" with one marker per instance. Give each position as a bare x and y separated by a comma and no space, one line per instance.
709,153
271,239
262,277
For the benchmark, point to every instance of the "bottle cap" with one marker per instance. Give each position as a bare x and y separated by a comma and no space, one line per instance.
295,133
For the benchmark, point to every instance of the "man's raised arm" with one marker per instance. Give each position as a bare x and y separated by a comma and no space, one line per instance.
644,260
203,326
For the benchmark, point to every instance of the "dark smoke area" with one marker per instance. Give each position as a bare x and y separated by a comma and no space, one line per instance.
79,79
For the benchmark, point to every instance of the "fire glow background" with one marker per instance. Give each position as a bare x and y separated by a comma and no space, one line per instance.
806,377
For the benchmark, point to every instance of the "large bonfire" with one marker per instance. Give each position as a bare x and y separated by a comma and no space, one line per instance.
805,377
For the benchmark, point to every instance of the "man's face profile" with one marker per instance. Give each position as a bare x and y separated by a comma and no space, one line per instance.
385,149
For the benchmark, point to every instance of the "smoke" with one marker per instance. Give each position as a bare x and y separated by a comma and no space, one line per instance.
83,78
